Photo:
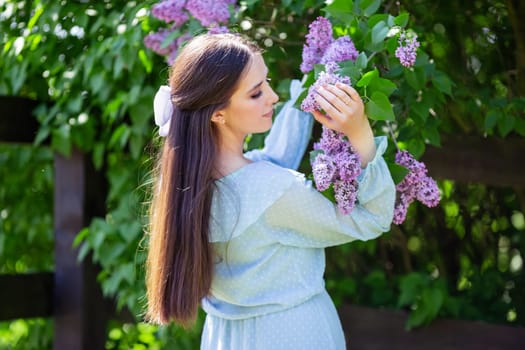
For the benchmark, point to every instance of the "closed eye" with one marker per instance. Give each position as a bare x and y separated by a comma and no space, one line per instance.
259,93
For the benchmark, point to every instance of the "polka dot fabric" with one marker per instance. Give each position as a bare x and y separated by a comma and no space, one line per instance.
269,229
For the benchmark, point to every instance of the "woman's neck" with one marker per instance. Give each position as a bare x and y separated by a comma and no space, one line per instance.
230,157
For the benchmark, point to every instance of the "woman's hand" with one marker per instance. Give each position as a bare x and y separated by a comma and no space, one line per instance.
345,112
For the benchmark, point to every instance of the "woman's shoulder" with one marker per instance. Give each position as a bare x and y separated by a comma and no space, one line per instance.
262,171
244,195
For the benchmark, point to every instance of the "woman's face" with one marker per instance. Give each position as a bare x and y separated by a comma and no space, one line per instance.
250,108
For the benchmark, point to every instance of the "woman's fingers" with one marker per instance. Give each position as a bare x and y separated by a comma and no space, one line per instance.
351,92
324,119
343,107
326,102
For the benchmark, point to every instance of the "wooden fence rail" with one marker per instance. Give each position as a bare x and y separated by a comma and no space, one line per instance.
73,298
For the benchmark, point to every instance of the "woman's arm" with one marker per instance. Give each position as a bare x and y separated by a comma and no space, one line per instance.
303,217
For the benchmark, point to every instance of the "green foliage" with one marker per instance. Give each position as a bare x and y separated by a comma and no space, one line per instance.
28,334
143,336
87,65
390,91
26,203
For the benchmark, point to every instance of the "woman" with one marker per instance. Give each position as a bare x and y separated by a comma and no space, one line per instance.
243,235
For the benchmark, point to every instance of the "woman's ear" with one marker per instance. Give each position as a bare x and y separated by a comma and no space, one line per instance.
218,117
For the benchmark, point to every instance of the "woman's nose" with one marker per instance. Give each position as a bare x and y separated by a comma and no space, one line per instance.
273,96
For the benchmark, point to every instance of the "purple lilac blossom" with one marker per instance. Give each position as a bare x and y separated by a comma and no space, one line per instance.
154,42
400,210
323,169
210,12
318,39
406,51
331,142
349,165
175,51
428,192
339,165
341,49
416,185
345,195
170,11
218,30
309,103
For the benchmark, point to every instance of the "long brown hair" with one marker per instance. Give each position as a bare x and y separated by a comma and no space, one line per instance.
179,267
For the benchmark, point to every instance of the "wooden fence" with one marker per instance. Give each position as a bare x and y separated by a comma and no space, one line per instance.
72,297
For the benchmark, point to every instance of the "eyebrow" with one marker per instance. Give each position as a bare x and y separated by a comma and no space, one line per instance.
255,87
258,84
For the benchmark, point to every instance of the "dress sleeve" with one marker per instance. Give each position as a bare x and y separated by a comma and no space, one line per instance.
289,136
304,217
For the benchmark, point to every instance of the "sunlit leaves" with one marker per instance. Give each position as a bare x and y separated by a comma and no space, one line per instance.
379,107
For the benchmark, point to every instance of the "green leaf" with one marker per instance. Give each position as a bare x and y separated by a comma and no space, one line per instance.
146,62
80,237
519,126
431,134
390,21
120,136
341,10
38,12
369,7
98,154
506,124
397,171
420,109
329,193
61,141
118,66
368,77
382,85
82,252
349,69
415,78
18,76
308,79
432,299
43,133
96,82
362,61
416,147
74,104
313,154
402,19
136,145
442,83
379,107
379,32
300,99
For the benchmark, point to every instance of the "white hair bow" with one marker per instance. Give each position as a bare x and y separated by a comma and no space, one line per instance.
163,109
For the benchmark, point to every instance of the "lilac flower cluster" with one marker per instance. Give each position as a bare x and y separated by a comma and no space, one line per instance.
406,51
320,46
416,185
341,49
210,13
154,42
170,11
337,164
309,104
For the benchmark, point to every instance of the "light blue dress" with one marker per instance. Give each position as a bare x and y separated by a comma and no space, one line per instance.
269,228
